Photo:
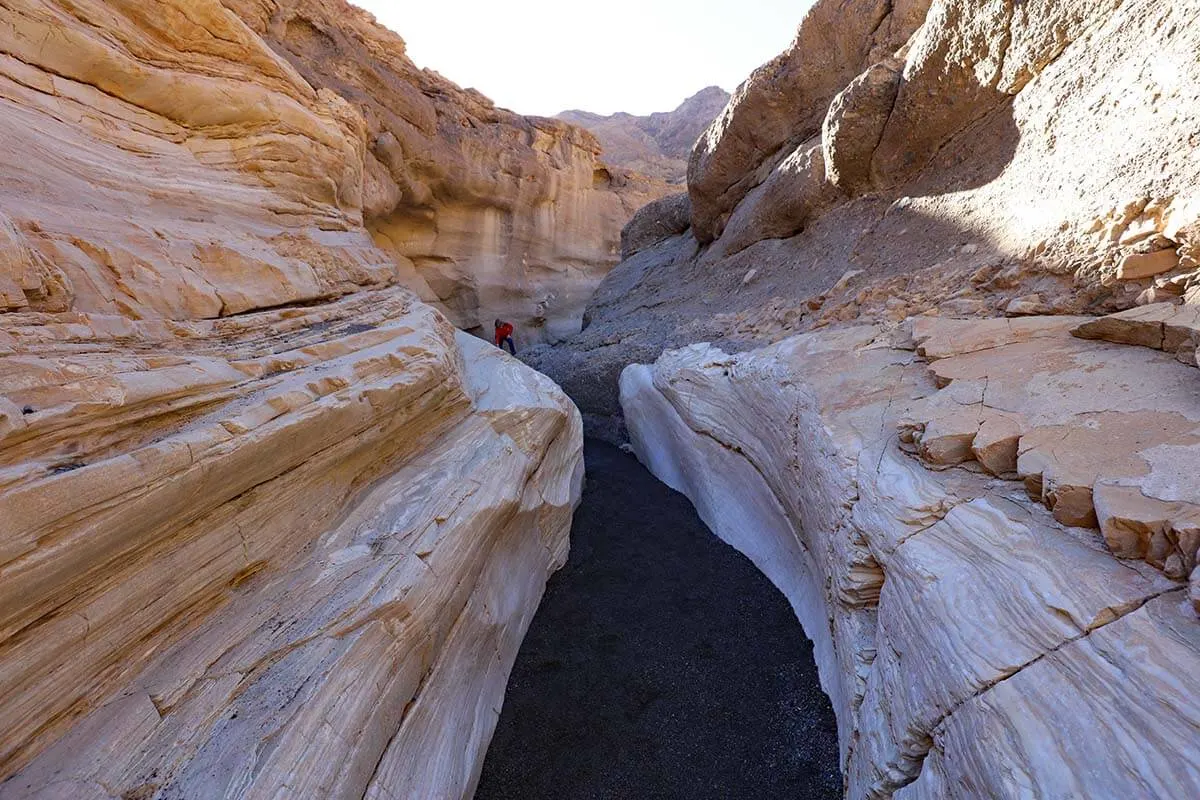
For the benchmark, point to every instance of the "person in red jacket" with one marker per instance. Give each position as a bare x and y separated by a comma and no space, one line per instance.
504,334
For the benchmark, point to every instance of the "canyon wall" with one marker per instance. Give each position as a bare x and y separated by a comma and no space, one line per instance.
957,157
271,525
921,341
928,499
486,213
658,144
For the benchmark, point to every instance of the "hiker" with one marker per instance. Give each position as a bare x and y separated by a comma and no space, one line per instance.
504,334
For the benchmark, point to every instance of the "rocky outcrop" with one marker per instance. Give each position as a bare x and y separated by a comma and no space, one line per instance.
922,496
295,549
659,144
486,213
655,223
315,100
270,524
956,157
784,102
943,261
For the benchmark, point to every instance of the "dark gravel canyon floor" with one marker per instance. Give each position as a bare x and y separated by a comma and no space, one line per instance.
661,664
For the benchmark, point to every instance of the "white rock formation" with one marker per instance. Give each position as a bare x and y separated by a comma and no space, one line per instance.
973,644
243,570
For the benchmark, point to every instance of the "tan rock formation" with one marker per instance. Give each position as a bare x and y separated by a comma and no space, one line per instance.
487,213
973,644
784,101
269,525
294,549
1162,326
980,106
658,144
285,152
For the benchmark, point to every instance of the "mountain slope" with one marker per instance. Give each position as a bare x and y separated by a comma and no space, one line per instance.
657,145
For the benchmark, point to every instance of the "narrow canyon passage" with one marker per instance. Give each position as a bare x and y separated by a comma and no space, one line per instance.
661,664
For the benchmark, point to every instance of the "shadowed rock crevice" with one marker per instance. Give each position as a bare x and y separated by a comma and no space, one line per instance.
661,664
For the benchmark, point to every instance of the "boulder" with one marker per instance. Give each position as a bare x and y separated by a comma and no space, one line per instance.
656,222
1137,266
785,100
854,125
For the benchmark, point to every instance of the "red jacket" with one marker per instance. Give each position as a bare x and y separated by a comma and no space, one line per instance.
503,332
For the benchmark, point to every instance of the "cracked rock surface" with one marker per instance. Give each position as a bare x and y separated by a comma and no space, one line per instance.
977,637
957,158
270,526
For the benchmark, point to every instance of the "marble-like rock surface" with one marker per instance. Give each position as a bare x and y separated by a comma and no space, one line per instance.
295,551
270,526
973,641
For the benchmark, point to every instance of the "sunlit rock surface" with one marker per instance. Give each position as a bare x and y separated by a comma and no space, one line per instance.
977,638
965,158
296,549
485,212
270,526
185,161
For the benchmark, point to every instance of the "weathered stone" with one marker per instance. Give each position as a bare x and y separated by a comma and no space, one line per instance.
1006,168
854,125
656,222
795,192
1071,415
1138,266
527,242
1169,327
1113,702
1141,326
786,100
1027,306
930,595
269,525
218,536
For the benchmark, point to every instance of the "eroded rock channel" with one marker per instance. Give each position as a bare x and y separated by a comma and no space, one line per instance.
661,664
920,340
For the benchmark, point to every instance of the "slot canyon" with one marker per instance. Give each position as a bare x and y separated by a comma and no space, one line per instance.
886,364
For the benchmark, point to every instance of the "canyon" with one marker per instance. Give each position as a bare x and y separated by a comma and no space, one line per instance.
919,339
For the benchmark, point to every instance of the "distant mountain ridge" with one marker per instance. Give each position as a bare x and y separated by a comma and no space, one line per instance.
657,145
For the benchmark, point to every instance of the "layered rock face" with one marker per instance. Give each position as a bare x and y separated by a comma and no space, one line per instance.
271,525
296,549
977,638
657,145
958,157
486,213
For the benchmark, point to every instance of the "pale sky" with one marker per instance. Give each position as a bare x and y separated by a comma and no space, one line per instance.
546,56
